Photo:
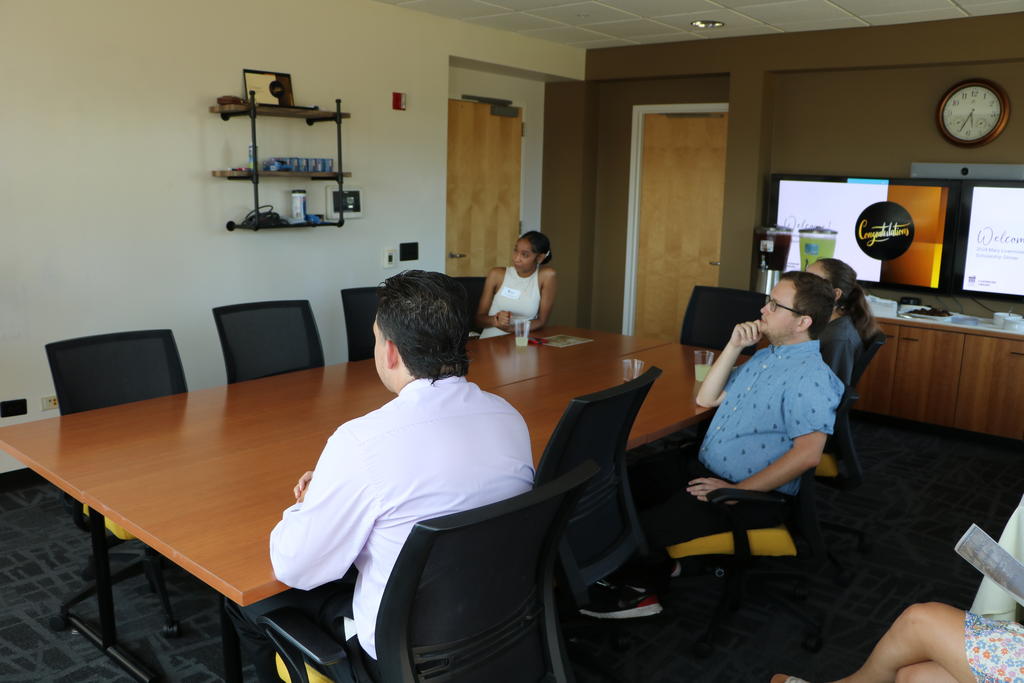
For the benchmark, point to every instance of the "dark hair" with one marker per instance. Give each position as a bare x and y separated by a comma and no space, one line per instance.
539,243
424,314
814,297
852,301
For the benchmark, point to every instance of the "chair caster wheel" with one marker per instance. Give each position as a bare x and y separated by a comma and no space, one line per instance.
172,630
59,623
701,649
812,643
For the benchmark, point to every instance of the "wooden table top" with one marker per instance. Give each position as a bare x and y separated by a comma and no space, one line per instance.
203,477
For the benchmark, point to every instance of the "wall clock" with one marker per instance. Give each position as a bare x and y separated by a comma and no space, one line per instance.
973,112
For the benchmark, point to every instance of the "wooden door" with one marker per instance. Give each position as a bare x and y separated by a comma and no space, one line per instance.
927,375
680,227
482,222
875,386
991,387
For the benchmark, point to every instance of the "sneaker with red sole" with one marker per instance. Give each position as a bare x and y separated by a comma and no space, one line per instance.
609,601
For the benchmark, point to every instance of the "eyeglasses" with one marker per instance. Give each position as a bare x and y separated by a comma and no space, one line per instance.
772,305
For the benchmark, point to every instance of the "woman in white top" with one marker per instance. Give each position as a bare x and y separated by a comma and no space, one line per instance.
523,290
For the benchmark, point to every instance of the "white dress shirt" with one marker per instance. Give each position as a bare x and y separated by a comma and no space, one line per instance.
434,449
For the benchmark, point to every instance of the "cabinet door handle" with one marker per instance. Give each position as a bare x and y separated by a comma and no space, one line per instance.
452,254
1016,353
909,339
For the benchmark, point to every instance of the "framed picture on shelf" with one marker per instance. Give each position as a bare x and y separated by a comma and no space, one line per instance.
271,88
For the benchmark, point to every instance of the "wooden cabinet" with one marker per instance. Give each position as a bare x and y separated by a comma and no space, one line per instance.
875,386
991,387
927,375
965,377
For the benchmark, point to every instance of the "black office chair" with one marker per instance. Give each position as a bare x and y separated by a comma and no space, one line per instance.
474,290
604,530
107,370
738,556
871,347
267,338
713,312
360,307
469,599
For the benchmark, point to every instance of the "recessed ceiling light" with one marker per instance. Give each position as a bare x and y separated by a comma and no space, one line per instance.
707,23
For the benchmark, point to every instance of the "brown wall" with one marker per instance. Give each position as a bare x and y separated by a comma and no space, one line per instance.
854,101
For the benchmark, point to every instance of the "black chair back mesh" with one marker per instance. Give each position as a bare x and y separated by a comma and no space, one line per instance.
870,349
474,287
714,311
603,530
111,369
267,338
360,307
470,597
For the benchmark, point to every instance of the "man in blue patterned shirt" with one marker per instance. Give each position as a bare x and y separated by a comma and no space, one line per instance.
774,414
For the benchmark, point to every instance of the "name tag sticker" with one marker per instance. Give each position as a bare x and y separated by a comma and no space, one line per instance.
510,293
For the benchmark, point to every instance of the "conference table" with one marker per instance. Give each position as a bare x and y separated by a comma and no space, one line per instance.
202,477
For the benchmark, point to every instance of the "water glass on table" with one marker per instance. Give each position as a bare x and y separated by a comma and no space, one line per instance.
631,368
521,327
702,361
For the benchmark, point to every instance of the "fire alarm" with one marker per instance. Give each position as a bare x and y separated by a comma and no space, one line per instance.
398,101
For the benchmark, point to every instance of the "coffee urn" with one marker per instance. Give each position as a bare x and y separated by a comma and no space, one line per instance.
773,245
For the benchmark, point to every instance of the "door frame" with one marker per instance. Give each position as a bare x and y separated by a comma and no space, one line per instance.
635,173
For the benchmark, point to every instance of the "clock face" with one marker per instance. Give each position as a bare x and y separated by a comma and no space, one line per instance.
973,113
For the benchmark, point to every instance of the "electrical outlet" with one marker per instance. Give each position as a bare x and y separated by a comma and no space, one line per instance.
49,403
387,258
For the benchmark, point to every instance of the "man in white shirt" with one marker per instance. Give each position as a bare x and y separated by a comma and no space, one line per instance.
441,446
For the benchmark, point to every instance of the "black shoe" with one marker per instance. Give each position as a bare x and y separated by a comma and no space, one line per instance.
608,601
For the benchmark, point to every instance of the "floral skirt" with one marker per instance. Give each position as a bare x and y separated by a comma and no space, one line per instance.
995,649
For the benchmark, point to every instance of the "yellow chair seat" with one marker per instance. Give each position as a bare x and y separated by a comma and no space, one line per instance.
771,542
112,527
314,675
828,467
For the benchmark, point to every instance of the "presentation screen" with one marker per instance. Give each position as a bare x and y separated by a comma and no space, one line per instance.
893,232
990,259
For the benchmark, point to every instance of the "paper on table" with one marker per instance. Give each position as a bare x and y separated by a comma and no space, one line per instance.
560,341
993,561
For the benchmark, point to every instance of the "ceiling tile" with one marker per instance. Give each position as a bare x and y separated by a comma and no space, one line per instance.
862,7
779,13
728,17
628,29
676,37
657,8
908,17
606,42
526,5
986,7
454,9
583,13
822,24
565,34
737,31
515,21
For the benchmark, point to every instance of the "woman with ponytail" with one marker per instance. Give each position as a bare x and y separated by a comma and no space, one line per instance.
852,323
526,289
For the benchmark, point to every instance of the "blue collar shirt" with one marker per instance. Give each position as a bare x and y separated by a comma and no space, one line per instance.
781,393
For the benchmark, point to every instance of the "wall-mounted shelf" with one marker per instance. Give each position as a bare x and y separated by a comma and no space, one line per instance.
247,175
229,111
253,175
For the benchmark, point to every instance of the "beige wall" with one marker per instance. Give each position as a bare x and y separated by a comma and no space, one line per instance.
857,101
111,220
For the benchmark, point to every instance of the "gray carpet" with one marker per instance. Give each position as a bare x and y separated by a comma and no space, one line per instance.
923,487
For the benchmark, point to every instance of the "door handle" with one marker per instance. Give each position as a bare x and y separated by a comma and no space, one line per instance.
452,254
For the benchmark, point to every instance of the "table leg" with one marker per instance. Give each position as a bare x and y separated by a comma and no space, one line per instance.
230,646
106,637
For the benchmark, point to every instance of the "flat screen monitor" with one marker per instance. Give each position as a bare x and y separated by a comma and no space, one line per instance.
894,232
990,247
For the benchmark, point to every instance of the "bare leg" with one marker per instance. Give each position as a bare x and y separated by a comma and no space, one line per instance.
930,633
925,672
